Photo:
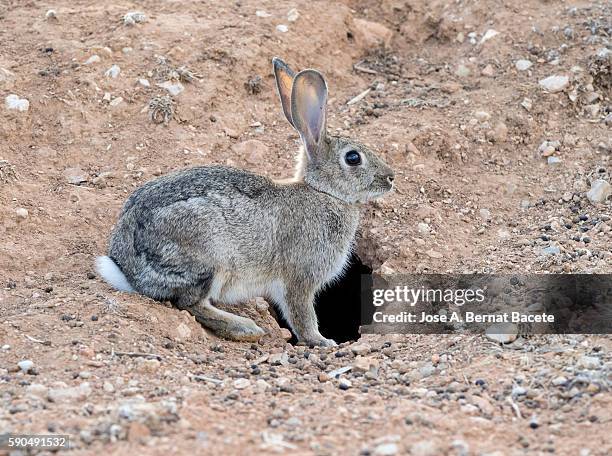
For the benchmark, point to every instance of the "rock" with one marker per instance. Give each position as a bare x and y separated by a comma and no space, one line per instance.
51,15
253,151
93,59
527,104
554,83
362,364
371,35
113,71
21,213
293,15
427,370
485,214
13,102
37,390
261,305
424,448
278,359
242,383
589,362
282,28
499,133
386,449
344,383
323,377
144,82
69,394
182,332
108,387
483,404
482,115
488,35
117,101
433,254
599,192
148,365
25,365
173,88
75,176
423,228
134,17
286,334
551,250
462,71
523,65
361,348
488,71
503,333
559,381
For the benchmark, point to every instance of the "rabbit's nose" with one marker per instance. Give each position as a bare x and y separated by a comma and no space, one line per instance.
390,178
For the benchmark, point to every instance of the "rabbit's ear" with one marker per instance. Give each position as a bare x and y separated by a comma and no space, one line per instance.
284,81
308,101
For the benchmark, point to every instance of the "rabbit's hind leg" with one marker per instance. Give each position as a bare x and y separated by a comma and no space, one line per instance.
225,324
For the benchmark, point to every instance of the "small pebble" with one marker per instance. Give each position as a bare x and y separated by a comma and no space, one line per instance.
26,365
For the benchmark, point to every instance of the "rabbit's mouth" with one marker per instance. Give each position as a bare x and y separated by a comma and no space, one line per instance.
376,193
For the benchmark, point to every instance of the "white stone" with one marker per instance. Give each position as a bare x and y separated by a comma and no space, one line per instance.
144,82
462,71
14,102
174,88
482,115
345,383
242,383
523,65
599,192
134,17
113,71
282,28
488,35
554,83
26,365
21,213
261,13
423,228
386,449
51,14
293,15
93,59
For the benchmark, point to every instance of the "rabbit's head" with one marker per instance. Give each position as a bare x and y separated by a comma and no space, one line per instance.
339,166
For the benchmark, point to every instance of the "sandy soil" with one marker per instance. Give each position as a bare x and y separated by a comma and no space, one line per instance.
477,191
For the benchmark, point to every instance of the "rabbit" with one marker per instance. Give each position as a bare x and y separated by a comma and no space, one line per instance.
219,234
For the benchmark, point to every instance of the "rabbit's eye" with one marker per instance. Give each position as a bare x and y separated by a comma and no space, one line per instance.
352,158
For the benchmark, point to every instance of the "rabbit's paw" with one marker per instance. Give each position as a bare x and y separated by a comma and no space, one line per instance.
245,330
319,341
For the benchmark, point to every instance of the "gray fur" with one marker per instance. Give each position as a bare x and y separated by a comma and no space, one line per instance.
219,234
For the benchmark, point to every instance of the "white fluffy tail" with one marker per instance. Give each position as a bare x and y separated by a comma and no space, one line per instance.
111,273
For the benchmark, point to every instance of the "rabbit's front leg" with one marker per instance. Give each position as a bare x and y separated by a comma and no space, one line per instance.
297,305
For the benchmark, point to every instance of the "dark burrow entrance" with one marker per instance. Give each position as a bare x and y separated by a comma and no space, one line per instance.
339,305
